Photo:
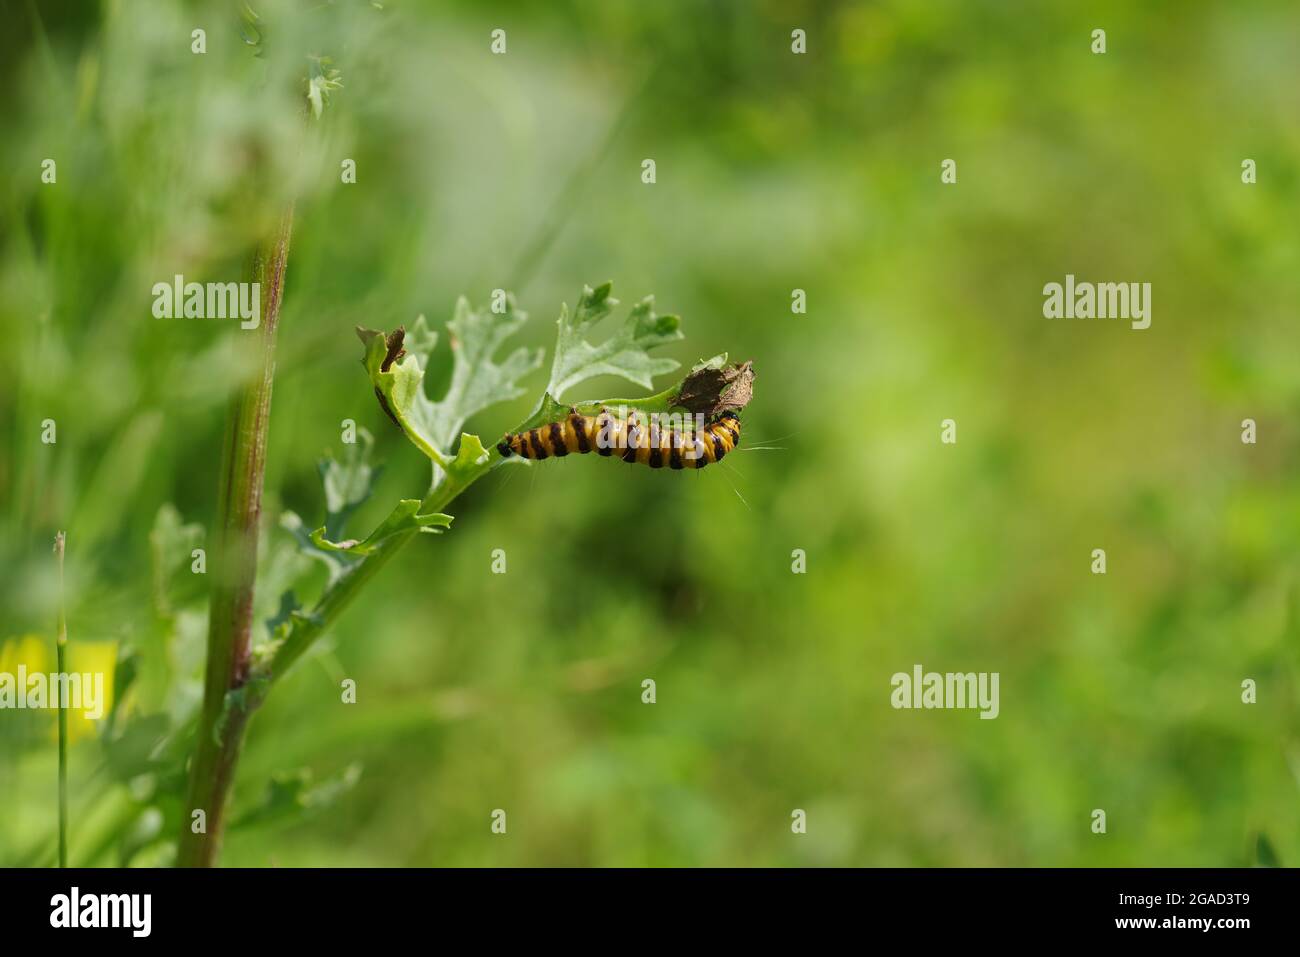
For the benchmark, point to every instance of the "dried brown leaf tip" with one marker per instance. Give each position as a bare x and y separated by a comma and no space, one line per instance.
395,350
713,391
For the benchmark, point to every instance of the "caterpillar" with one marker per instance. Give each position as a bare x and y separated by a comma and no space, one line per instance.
632,441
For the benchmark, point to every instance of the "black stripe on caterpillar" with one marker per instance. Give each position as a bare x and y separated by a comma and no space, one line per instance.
633,440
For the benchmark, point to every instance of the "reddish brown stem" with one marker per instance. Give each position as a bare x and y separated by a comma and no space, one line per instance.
233,567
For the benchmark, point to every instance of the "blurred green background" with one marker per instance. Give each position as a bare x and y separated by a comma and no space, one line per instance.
775,172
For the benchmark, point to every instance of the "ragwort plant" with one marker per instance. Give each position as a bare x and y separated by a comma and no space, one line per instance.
241,666
174,767
241,672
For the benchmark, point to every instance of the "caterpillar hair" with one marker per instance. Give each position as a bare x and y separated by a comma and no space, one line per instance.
632,441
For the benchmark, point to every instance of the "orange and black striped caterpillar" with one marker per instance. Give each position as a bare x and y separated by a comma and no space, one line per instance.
632,441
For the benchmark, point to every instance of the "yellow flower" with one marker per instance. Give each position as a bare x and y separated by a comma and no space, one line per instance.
98,659
93,658
29,650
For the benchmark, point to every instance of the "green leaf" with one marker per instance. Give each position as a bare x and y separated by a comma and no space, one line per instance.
348,483
125,673
242,700
250,29
624,354
1265,856
397,366
476,381
172,544
279,627
403,518
322,80
279,623
335,562
293,794
137,750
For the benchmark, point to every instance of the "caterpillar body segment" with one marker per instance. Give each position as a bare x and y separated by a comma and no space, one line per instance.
636,440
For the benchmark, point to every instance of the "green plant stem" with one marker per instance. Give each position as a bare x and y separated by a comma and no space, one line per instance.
233,566
61,648
235,710
340,594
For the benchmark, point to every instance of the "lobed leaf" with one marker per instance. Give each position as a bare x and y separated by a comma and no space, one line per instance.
397,364
624,354
348,483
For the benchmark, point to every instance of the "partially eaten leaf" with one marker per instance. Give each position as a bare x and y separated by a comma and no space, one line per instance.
625,353
335,562
397,364
405,517
347,483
